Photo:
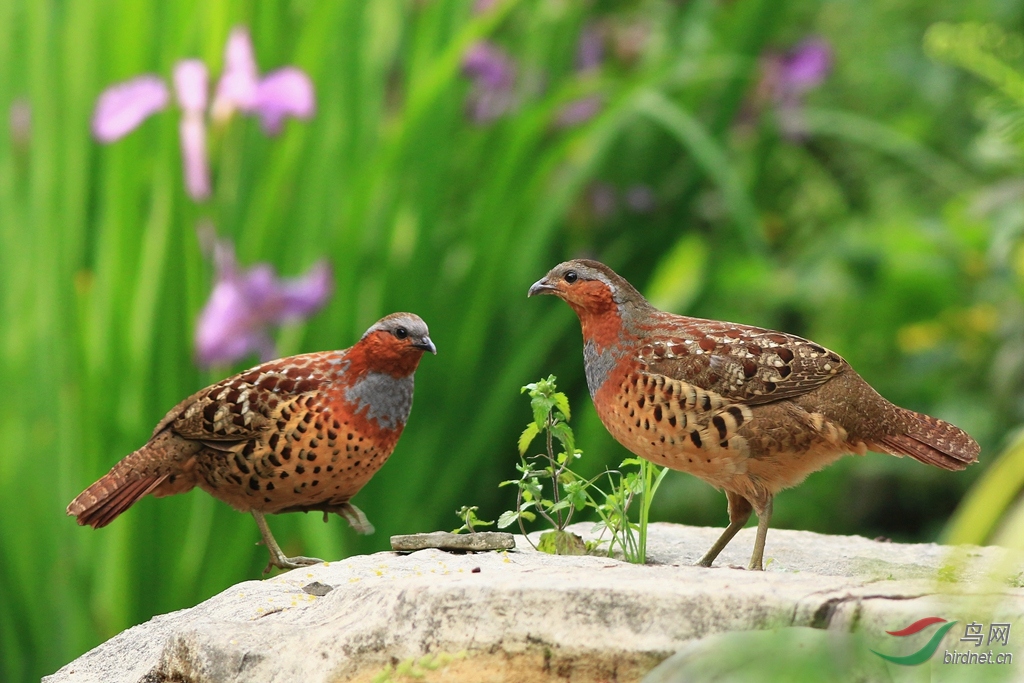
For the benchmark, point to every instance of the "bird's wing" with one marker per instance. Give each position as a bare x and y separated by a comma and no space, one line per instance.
241,407
742,364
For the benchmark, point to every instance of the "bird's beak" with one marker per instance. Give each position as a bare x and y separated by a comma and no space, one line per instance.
541,286
426,345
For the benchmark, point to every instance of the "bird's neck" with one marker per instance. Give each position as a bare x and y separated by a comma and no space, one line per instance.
382,356
603,337
600,328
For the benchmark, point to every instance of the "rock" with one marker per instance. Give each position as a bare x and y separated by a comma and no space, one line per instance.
432,616
318,589
443,540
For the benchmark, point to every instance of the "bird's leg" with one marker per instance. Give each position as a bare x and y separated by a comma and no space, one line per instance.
764,515
356,519
739,513
277,558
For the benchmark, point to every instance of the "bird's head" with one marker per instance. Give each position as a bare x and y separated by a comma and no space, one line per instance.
590,287
396,342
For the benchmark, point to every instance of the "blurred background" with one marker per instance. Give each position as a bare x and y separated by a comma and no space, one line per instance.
850,172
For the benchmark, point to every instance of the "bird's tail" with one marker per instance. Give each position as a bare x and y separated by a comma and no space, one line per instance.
932,442
114,493
159,468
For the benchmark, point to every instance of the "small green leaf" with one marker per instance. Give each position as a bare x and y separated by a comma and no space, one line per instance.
562,403
527,437
507,518
560,505
561,543
541,407
547,543
563,433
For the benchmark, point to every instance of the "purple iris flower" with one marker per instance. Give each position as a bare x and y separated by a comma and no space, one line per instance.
590,49
19,121
493,74
481,6
123,107
579,111
640,199
805,67
603,200
281,93
190,86
589,56
246,302
285,92
788,78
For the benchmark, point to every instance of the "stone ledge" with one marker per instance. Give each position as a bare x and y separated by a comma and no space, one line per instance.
573,615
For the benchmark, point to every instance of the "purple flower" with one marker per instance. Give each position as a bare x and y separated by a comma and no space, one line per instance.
190,85
285,92
603,201
240,78
640,199
493,74
590,49
805,67
482,6
244,303
788,78
589,56
19,121
121,108
579,111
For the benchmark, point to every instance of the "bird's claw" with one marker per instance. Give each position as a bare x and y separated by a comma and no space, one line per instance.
297,562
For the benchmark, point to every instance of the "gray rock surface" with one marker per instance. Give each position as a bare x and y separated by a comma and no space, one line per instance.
470,617
444,540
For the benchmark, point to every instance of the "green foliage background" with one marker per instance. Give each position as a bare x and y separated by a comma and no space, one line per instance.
890,232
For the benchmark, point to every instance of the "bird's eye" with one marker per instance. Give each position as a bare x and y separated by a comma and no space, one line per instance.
401,332
571,276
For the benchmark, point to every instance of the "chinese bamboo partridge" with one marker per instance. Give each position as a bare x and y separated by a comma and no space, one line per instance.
296,434
748,410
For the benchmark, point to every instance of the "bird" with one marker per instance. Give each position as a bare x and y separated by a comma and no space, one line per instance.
749,410
303,433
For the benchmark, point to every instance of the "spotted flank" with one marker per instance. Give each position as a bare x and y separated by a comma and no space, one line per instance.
658,414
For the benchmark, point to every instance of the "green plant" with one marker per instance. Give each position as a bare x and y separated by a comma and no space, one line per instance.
569,492
470,520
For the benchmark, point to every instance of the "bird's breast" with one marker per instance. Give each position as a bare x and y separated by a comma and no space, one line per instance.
598,365
385,398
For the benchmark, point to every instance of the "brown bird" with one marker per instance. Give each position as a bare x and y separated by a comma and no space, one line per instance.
748,410
296,434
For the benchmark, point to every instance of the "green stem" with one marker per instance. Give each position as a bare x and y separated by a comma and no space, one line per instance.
651,485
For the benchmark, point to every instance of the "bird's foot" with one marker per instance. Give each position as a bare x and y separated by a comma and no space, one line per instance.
356,519
282,562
